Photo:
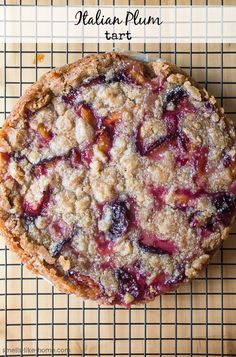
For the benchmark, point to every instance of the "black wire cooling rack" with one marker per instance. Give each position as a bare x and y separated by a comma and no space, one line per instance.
198,320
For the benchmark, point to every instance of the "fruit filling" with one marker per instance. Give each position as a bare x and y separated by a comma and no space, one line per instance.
126,180
34,210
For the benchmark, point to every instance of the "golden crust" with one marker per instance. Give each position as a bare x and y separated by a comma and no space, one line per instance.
38,95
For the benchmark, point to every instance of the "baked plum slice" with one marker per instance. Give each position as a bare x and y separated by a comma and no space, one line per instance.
74,157
163,142
131,74
104,245
164,283
200,161
104,140
86,112
35,210
225,204
71,97
42,167
130,281
149,242
60,234
159,195
112,119
185,198
135,74
120,218
175,95
127,283
56,247
44,136
174,137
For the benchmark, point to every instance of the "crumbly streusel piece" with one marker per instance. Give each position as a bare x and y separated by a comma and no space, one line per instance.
117,178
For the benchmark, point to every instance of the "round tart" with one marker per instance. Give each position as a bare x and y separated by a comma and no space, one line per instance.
117,178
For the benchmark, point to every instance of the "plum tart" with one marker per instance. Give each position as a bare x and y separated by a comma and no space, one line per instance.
117,178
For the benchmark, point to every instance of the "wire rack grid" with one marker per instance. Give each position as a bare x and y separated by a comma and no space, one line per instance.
198,320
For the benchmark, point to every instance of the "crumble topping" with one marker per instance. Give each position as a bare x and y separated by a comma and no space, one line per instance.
125,179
